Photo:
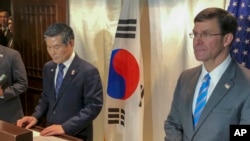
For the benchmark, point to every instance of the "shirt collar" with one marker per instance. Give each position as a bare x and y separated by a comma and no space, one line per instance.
69,61
217,72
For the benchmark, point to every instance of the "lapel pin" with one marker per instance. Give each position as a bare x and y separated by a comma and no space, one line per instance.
1,55
227,86
73,72
52,70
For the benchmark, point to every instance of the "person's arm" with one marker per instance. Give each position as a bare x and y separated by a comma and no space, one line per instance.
172,125
27,122
93,101
41,108
245,112
19,82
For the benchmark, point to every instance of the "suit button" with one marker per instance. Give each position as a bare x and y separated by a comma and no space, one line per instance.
54,112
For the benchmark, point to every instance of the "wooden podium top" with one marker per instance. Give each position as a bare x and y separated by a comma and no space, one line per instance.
11,132
65,137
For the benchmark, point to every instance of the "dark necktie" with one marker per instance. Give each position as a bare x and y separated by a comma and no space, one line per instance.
59,78
201,99
4,30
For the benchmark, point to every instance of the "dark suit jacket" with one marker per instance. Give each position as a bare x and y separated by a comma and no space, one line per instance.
9,37
12,66
3,39
79,100
228,104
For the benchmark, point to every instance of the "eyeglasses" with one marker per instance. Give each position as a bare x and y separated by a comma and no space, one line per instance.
203,35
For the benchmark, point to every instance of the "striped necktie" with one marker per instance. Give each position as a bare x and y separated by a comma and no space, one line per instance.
59,78
201,99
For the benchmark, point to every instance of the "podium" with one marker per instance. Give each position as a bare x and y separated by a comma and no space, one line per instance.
11,132
63,137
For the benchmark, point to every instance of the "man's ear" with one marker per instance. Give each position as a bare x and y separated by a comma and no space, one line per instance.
71,42
228,39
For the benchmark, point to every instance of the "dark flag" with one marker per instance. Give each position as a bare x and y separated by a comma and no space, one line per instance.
240,49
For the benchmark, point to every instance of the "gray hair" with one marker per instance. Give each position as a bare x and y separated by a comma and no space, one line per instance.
60,29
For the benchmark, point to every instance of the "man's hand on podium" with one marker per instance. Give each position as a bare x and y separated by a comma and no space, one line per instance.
52,130
27,122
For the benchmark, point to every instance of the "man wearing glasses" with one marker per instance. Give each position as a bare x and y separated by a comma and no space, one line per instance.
210,97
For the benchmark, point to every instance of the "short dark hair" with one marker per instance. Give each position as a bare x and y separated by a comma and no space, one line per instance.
227,22
5,10
60,29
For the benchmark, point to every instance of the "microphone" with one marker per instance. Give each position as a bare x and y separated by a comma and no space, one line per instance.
3,80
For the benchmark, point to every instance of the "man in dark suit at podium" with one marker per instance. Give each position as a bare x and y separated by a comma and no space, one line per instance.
71,107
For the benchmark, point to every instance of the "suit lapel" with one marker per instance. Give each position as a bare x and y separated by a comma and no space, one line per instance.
71,73
220,91
190,97
51,77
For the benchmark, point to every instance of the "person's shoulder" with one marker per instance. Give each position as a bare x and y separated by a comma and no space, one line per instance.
189,73
9,50
85,63
244,71
192,70
49,64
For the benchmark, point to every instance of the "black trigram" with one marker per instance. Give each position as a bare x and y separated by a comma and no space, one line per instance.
126,28
142,95
116,116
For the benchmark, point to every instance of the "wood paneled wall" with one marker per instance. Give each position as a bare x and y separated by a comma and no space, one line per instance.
31,18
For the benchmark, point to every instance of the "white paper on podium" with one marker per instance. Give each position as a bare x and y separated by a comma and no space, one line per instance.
37,137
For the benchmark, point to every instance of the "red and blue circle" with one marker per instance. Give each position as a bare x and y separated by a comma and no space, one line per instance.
124,74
